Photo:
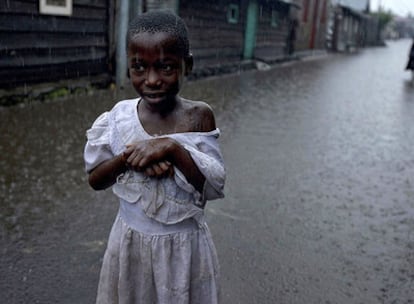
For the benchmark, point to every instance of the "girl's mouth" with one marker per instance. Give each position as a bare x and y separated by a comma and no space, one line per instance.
157,95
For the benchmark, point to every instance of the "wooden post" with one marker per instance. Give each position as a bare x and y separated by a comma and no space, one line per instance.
122,20
251,28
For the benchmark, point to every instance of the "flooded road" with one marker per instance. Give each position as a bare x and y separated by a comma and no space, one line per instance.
320,195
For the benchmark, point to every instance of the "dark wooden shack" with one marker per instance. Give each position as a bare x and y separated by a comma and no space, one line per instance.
216,29
36,47
272,30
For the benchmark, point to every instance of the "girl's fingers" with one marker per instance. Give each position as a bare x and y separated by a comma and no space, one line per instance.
167,167
164,165
139,162
171,171
149,171
158,170
161,169
129,149
131,157
135,162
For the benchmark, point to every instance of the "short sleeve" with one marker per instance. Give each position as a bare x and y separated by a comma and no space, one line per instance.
97,148
204,150
210,162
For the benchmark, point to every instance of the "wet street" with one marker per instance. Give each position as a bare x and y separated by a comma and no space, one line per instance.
319,204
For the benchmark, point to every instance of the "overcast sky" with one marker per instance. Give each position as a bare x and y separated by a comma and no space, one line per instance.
399,7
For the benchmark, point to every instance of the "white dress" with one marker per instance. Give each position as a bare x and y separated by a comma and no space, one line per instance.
160,249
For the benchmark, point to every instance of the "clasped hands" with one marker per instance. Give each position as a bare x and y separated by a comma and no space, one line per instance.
151,157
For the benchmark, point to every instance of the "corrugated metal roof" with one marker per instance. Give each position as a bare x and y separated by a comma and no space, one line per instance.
358,5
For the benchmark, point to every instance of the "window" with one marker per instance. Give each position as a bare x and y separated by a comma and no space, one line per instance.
274,21
233,13
56,7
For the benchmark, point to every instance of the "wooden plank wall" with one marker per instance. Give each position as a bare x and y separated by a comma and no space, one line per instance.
40,48
271,40
150,5
307,20
213,40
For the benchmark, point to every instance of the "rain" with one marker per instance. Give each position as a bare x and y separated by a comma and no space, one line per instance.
317,143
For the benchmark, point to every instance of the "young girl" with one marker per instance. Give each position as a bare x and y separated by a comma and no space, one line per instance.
159,152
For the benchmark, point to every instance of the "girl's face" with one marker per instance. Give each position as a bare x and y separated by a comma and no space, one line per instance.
156,67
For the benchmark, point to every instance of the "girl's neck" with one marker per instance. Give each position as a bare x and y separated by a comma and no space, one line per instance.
163,110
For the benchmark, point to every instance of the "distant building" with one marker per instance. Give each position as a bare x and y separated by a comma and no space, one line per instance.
350,26
225,31
356,5
349,31
400,27
313,21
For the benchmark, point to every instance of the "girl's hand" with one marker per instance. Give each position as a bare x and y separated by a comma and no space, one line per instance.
160,169
151,157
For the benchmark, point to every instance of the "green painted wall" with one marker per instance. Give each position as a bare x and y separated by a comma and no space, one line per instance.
251,28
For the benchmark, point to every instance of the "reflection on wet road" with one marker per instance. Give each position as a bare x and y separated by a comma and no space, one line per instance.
320,197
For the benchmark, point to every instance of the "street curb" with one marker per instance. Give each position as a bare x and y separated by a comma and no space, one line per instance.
86,85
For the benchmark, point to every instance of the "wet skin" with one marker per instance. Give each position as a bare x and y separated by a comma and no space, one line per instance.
157,68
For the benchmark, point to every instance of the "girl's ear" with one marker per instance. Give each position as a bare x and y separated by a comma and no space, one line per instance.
189,62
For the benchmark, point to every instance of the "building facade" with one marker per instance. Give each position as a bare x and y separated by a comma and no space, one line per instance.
313,20
43,44
351,27
80,38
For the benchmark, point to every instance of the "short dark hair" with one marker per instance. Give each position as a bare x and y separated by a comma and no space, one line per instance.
161,21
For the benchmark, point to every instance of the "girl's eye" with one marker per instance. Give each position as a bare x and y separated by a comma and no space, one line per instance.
137,67
167,68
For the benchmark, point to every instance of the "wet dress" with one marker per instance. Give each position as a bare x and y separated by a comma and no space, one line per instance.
160,249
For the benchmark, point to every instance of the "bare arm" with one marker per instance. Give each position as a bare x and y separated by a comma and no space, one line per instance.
105,174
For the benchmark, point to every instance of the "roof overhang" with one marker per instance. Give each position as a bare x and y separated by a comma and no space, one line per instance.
290,2
354,12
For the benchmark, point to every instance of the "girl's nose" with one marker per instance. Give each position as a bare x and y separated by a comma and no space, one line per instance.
153,78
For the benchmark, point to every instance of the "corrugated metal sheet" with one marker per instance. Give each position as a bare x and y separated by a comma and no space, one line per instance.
358,5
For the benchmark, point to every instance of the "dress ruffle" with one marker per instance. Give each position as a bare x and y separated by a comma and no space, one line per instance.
156,202
135,264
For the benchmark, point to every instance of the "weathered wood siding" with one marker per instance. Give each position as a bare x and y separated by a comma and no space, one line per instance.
39,48
313,17
213,39
271,36
150,5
